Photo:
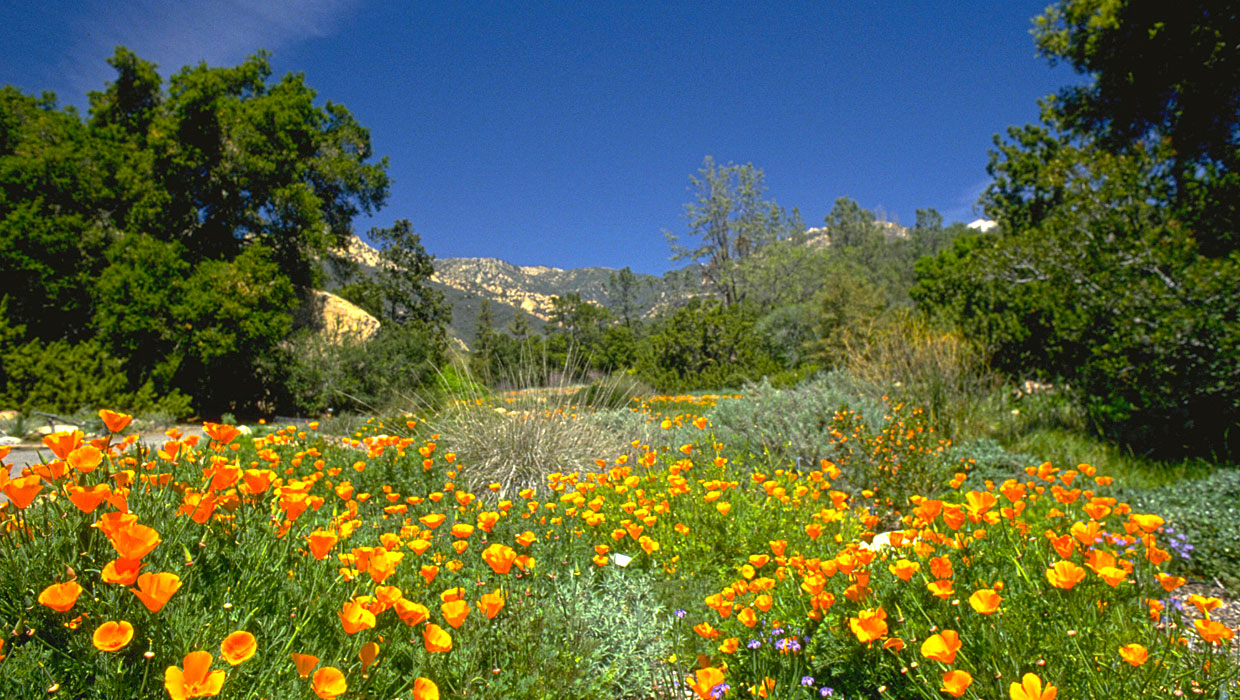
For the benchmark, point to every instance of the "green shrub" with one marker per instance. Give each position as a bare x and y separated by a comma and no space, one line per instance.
705,345
616,623
1203,523
906,358
395,365
64,377
986,460
785,427
614,391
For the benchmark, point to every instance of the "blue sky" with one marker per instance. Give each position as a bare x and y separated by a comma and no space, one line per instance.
564,133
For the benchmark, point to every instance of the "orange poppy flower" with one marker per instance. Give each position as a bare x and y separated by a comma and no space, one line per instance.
321,542
869,625
88,499
942,647
85,459
1156,608
705,630
61,597
115,422
1112,575
223,434
133,540
112,636
384,565
425,689
237,647
429,572
941,567
1134,654
1213,631
368,654
953,517
329,683
110,523
1086,533
499,557
1169,582
121,571
1147,523
1030,688
778,547
63,442
985,601
154,590
433,520
354,617
1065,575
487,520
455,612
436,638
490,604
411,613
707,679
956,682
22,490
197,680
747,617
1205,605
305,663
904,569
941,589
257,480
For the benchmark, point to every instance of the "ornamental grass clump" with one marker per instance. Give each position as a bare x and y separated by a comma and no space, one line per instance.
517,437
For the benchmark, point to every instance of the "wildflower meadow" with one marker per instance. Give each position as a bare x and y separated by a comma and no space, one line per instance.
287,562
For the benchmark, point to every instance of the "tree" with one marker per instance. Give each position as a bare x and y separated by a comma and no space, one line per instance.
246,161
1166,69
53,188
626,292
850,226
731,221
175,223
705,345
1159,71
1108,267
403,279
482,356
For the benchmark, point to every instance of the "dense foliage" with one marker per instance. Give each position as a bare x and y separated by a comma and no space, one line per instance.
1115,264
185,222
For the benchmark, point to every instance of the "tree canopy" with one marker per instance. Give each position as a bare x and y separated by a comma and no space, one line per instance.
182,219
730,221
1118,228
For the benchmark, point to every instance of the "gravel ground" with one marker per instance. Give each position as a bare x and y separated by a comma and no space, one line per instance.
1229,614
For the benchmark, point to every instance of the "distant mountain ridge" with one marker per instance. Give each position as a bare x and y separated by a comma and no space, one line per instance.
512,290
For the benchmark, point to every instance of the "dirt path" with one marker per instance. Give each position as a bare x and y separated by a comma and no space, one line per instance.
28,453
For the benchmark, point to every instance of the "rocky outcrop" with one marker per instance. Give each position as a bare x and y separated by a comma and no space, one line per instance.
336,319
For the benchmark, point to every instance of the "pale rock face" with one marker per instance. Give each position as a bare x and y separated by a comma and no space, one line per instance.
336,318
982,225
